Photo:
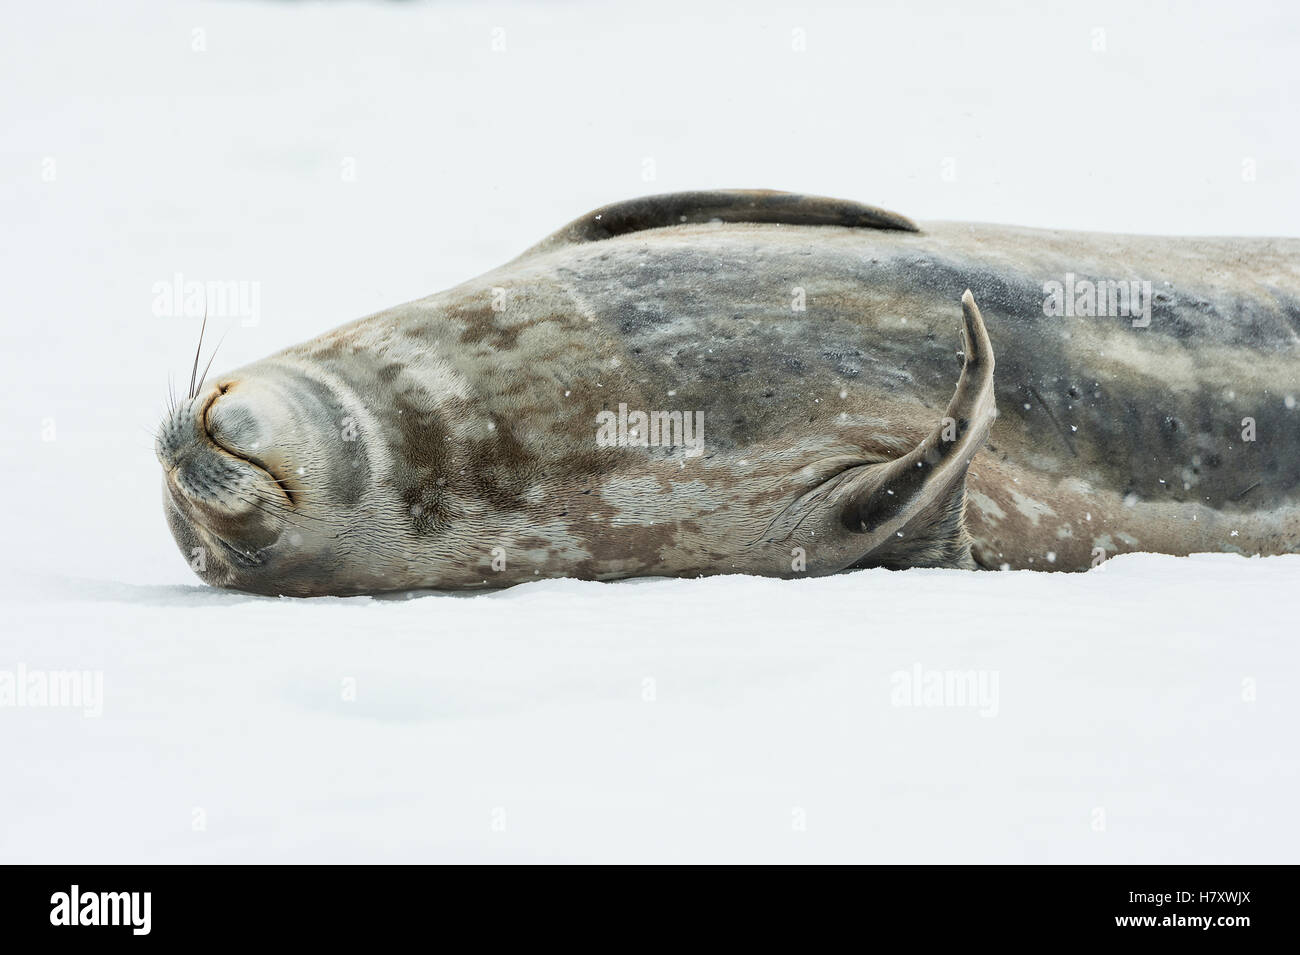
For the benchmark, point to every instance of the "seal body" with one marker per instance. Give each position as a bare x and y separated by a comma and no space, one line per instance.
749,382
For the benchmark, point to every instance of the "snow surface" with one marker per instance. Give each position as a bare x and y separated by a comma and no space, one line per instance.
1144,712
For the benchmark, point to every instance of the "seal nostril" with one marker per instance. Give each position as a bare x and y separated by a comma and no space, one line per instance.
232,447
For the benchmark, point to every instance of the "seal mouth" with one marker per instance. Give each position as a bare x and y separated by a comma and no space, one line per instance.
239,556
258,464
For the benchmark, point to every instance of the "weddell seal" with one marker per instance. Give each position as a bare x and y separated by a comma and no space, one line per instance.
762,383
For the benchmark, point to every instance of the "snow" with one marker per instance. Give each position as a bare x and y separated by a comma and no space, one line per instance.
724,719
1139,713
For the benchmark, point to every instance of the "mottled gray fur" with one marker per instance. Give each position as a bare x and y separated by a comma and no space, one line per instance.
452,441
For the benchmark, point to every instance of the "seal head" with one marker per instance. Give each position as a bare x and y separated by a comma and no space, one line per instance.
246,489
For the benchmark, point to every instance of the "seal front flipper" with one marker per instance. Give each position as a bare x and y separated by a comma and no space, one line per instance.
723,205
914,508
909,511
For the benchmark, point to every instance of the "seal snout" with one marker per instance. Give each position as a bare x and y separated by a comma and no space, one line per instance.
238,422
202,451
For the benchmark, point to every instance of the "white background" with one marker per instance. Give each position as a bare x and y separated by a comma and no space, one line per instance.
1146,712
